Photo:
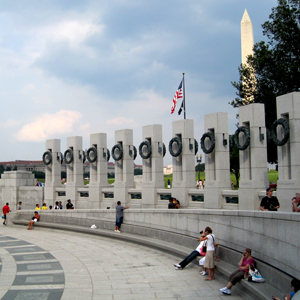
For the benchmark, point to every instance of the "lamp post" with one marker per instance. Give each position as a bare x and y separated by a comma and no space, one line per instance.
199,160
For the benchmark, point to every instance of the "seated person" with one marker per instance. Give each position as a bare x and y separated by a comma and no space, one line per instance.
295,284
44,207
296,203
177,203
35,219
190,257
245,263
171,205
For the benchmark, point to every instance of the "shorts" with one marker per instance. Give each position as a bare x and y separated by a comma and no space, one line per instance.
119,222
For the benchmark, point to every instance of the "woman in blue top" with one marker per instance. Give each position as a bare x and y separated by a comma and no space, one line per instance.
295,284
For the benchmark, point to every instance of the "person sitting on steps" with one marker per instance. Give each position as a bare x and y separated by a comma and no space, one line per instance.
35,219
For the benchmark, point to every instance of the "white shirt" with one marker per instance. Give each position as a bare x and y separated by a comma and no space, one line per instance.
210,242
200,246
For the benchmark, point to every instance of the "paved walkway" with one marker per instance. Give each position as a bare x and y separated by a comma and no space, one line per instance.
49,264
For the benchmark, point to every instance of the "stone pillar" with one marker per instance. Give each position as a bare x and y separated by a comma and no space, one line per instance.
217,164
75,172
53,171
153,177
10,183
184,164
98,170
288,108
124,168
253,160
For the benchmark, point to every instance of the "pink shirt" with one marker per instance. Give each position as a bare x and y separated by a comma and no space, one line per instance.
249,261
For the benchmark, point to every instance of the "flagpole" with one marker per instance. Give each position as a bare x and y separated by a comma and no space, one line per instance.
183,95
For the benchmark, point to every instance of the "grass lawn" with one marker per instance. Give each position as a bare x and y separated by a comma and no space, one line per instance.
272,175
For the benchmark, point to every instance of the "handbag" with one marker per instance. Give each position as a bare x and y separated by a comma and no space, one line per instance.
3,217
203,250
254,275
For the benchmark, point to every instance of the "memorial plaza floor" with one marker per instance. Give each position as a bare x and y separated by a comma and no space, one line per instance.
53,264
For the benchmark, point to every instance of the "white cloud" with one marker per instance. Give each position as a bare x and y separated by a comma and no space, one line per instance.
73,31
11,123
48,125
120,120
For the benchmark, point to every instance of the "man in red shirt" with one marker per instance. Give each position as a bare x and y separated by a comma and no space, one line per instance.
5,210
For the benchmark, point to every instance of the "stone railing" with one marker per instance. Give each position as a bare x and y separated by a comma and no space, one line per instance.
272,236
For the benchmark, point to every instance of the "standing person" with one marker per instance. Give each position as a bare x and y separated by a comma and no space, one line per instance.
69,205
60,205
119,216
269,203
191,256
245,263
56,206
201,184
209,258
5,211
169,184
296,203
232,186
19,206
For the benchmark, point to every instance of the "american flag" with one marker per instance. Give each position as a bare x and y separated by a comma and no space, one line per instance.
178,95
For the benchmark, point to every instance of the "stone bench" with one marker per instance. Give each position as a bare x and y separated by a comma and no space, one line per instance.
224,267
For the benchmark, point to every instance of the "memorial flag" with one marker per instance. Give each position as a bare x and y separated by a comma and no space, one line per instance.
177,96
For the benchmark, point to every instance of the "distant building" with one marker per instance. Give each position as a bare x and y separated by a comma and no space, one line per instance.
38,165
168,170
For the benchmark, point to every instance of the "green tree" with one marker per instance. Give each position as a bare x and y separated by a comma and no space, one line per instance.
234,160
15,168
274,65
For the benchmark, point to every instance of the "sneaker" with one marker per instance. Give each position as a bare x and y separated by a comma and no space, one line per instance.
178,268
177,265
226,292
115,230
223,289
203,273
118,231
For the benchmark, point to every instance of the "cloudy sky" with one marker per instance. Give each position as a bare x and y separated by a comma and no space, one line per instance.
72,68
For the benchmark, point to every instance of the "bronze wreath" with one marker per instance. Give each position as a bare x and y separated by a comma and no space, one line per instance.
164,150
179,143
68,155
196,146
83,156
88,152
149,150
119,147
286,129
134,153
60,157
212,140
108,154
47,158
247,136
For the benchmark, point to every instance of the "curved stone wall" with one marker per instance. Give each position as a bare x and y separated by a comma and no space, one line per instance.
272,236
